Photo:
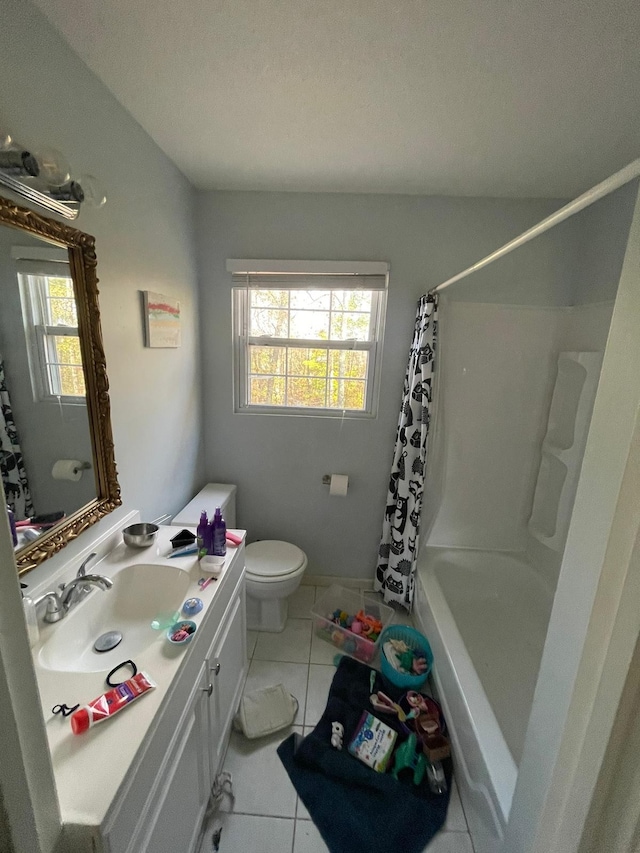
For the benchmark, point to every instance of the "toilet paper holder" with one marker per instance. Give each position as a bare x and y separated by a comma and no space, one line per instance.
338,483
69,469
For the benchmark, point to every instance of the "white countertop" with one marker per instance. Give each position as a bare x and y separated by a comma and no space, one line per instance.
90,767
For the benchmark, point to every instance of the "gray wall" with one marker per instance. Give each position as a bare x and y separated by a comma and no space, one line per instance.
278,461
575,263
604,233
144,239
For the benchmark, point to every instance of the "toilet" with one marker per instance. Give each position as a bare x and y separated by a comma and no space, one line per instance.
274,568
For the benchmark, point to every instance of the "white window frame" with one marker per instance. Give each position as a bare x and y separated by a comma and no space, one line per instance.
32,264
309,275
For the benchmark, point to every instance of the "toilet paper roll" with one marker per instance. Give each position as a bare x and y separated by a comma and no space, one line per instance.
339,485
67,469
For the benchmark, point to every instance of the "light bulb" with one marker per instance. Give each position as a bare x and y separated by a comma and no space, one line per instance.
71,191
54,169
94,194
6,141
17,162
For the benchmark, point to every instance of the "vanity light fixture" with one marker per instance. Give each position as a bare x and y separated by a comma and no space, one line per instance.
43,177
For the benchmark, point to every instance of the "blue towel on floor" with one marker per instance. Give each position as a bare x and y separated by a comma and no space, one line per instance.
354,807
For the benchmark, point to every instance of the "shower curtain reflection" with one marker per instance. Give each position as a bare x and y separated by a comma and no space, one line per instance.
14,475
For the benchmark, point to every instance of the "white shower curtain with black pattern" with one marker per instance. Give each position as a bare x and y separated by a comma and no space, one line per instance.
401,526
12,470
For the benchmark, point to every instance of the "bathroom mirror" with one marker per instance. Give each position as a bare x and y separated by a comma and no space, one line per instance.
56,447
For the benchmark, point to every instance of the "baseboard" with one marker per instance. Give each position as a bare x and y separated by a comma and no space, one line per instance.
328,580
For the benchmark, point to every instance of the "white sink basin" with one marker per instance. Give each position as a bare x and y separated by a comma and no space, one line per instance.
140,594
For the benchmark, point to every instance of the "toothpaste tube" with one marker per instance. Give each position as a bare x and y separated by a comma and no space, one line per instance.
110,702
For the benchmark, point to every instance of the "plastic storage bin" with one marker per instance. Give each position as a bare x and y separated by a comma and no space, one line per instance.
351,601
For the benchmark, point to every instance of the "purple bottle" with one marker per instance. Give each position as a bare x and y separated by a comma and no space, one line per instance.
219,534
202,534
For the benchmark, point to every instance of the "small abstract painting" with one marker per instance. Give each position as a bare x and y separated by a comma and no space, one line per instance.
162,320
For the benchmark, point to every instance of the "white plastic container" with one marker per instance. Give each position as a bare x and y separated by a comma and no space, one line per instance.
351,602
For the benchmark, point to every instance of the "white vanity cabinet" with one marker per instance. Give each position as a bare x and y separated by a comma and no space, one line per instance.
160,806
180,803
228,657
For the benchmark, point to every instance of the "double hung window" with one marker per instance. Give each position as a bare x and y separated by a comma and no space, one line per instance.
51,330
308,342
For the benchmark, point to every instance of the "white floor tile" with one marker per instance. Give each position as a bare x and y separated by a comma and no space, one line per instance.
260,782
308,839
248,833
301,602
294,676
293,644
450,842
320,678
322,651
456,821
252,637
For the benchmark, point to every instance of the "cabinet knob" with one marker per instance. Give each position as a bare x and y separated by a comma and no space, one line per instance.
208,689
216,669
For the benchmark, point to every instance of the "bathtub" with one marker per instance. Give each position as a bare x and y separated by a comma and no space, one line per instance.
486,615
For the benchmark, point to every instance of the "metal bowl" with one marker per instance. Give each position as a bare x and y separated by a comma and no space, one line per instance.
140,535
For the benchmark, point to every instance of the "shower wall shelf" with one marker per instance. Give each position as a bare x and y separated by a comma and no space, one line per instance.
563,447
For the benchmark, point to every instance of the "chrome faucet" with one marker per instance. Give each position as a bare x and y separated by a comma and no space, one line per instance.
82,571
59,603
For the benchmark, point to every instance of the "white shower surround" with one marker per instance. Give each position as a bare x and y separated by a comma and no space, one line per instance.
485,769
485,587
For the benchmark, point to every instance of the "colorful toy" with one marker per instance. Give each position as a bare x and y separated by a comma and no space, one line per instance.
406,757
181,632
361,624
349,646
382,703
337,638
411,661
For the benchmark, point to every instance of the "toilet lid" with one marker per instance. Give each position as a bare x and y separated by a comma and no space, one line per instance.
272,558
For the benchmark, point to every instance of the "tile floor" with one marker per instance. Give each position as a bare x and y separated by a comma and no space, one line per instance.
268,816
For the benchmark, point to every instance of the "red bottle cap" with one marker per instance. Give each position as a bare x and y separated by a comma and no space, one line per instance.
80,721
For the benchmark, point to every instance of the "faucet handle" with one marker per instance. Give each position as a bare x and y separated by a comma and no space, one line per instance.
55,611
82,571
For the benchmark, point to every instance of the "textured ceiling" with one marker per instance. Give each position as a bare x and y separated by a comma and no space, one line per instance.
457,97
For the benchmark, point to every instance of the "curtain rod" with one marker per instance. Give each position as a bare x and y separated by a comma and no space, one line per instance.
607,186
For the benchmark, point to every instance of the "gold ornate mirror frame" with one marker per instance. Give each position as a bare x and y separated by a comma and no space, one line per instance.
83,265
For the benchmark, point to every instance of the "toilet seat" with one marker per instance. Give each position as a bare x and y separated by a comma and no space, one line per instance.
270,560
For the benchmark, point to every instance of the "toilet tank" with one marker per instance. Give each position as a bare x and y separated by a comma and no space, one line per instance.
213,495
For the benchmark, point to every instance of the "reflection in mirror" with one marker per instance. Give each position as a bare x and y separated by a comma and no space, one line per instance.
56,451
43,417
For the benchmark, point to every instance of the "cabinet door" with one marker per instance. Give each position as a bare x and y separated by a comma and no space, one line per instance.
182,800
228,668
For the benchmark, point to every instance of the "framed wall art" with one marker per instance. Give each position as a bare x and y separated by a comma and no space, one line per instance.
162,320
